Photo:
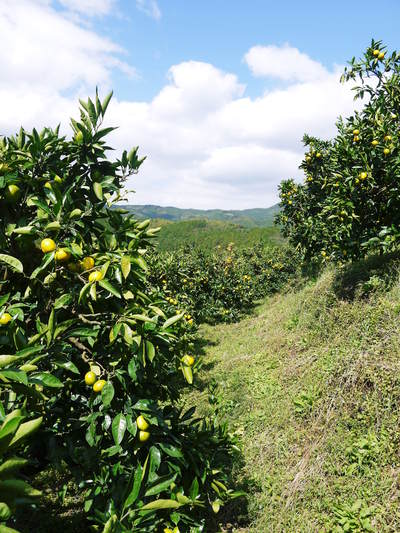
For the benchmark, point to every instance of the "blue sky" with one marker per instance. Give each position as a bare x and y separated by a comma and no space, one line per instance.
221,31
217,94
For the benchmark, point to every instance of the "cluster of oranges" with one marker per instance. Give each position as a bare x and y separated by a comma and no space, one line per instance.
63,255
98,385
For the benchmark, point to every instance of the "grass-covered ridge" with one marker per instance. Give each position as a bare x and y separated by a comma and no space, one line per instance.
311,386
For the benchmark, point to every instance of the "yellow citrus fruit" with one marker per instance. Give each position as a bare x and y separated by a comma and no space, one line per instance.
99,385
387,138
5,318
376,53
87,263
47,185
386,151
90,378
188,360
375,143
96,275
47,245
381,55
363,175
4,168
62,255
141,423
143,436
356,138
318,154
13,193
356,132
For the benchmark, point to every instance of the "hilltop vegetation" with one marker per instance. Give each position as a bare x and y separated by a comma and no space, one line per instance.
246,217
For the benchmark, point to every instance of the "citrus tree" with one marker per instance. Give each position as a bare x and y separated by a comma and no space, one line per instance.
349,202
91,356
220,285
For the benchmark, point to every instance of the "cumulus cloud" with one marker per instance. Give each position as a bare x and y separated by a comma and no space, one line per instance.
285,63
208,143
150,8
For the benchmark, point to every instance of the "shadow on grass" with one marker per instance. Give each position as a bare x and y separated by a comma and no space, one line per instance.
50,514
361,278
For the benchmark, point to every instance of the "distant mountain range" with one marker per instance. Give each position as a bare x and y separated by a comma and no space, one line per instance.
260,217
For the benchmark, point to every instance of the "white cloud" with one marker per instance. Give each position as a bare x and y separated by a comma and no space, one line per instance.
285,63
208,143
150,8
43,56
89,7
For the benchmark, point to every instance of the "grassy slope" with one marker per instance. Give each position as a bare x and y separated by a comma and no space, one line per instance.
335,358
210,233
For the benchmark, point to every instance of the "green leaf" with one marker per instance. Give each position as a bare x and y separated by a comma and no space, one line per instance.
107,394
67,365
125,265
12,465
48,258
137,481
140,262
13,262
154,463
50,327
47,380
63,301
110,288
118,428
98,190
187,373
15,488
5,514
172,321
171,450
24,230
150,350
161,504
15,375
25,430
83,292
76,249
109,526
132,367
6,360
105,103
160,487
75,213
194,489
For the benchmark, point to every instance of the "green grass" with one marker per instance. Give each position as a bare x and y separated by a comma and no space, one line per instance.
310,385
208,234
